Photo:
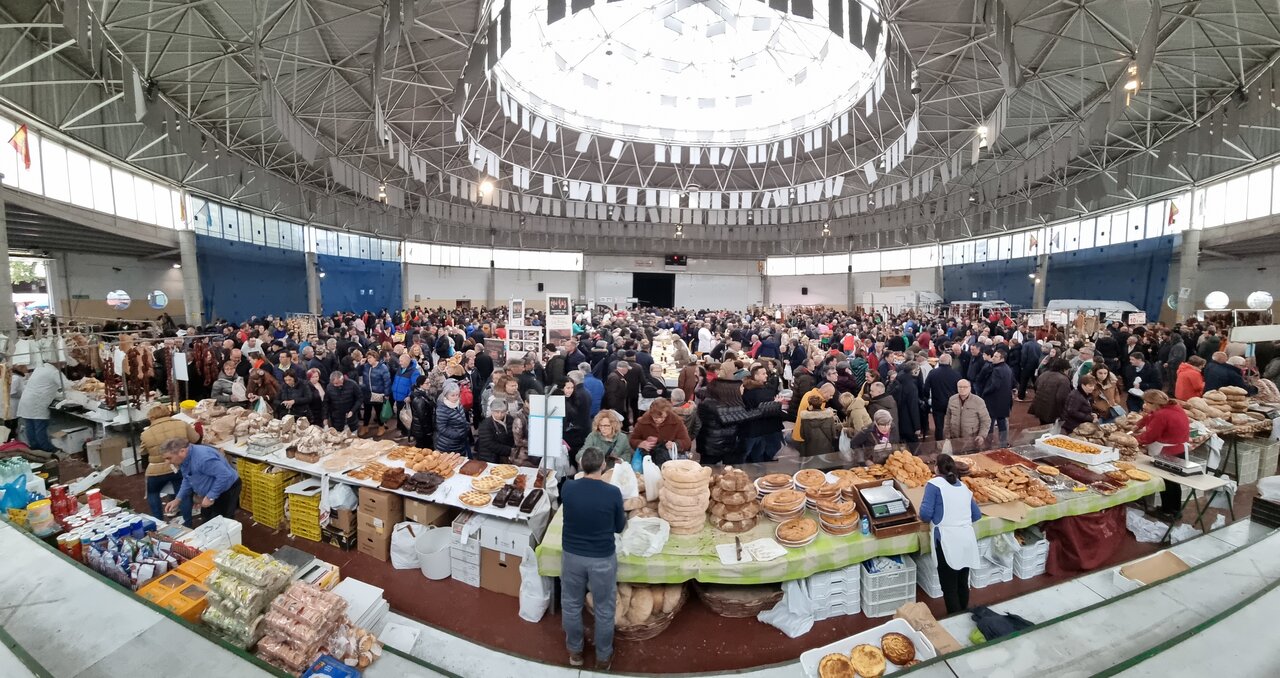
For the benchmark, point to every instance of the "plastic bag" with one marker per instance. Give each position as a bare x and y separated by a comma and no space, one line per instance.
1003,548
1222,497
644,537
238,392
403,554
846,443
652,477
334,496
793,615
1269,487
1144,529
535,590
624,478
387,411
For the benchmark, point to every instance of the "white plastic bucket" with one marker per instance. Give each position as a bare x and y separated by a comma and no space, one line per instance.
433,552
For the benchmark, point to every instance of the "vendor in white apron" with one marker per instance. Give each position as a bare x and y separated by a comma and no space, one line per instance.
1165,430
949,507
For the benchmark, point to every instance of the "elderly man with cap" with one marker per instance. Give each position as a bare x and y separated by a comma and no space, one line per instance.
1223,371
206,474
159,472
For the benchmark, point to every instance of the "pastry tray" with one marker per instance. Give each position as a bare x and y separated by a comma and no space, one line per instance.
924,649
1104,455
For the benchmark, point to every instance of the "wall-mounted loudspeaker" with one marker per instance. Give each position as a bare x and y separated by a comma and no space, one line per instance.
539,287
804,290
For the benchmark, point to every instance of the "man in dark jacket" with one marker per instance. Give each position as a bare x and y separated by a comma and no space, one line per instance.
907,395
1029,360
768,348
423,408
1209,344
556,366
615,391
939,386
343,400
879,399
1108,350
997,393
1143,375
1224,371
762,437
635,377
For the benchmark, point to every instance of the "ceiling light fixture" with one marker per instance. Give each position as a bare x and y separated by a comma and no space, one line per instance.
382,192
982,136
177,265
486,186
320,272
915,81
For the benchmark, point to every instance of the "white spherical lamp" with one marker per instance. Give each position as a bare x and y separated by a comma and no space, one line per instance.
1217,300
1259,301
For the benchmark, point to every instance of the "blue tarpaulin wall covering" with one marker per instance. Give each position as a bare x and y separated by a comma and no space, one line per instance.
240,280
358,284
1136,272
991,280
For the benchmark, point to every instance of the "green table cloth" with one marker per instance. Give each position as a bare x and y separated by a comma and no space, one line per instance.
694,557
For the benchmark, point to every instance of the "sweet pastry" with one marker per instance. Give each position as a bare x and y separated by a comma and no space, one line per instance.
897,648
487,483
475,498
502,497
1140,476
1120,477
810,477
797,529
868,661
1048,470
835,666
784,500
908,469
504,471
775,481
530,501
473,467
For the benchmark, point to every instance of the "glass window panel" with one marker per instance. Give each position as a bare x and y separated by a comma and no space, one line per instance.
30,179
808,265
416,253
924,257
259,225
231,223
1137,224
1019,245
780,266
8,159
1119,227
864,262
895,260
511,259
126,205
1071,236
1005,247
78,176
1237,198
1215,205
103,194
1088,229
835,263
55,170
1259,194
1103,231
271,232
1156,218
163,197
144,196
948,251
1275,192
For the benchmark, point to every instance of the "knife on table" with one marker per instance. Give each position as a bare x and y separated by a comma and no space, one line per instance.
737,543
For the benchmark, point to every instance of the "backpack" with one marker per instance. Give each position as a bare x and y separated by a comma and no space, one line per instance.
466,399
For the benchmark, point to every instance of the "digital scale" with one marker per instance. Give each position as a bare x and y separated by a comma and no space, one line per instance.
1178,465
884,501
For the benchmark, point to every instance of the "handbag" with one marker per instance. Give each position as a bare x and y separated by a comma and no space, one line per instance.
377,397
406,415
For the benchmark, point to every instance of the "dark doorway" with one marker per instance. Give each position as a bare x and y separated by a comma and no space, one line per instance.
654,289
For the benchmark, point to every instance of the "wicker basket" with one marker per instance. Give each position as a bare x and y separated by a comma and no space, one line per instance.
651,628
738,602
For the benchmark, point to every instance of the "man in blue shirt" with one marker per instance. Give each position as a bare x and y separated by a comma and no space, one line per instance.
206,474
593,514
593,385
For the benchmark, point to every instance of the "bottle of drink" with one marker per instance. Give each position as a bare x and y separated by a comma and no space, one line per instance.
866,526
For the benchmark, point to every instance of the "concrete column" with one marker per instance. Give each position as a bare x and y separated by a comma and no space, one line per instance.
192,295
939,282
405,300
313,285
1042,276
491,287
764,287
850,293
582,286
1188,272
8,325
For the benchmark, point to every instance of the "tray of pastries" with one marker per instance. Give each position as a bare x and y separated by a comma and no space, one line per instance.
797,532
487,483
886,649
475,498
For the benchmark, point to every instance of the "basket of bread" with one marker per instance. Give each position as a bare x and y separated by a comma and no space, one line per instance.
884,650
642,611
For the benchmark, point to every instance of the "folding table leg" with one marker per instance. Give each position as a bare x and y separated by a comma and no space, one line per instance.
1174,521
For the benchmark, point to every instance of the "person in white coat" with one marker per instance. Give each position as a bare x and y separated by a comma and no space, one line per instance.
44,386
951,510
17,382
706,340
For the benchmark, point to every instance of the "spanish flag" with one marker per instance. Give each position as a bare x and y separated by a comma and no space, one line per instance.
1173,212
19,143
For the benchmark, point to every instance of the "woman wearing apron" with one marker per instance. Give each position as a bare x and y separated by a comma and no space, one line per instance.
1165,430
949,506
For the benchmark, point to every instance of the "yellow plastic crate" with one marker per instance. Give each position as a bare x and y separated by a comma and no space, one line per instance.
268,495
247,469
304,516
159,588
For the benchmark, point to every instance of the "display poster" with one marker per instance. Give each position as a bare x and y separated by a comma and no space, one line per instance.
1035,320
516,313
546,426
179,361
559,319
1056,317
1138,318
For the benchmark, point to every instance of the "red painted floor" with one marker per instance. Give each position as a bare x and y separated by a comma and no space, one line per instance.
698,640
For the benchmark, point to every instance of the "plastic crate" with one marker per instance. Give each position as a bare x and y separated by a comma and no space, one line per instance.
246,470
903,576
927,577
1269,460
1028,571
304,517
838,608
1031,560
886,608
268,495
992,574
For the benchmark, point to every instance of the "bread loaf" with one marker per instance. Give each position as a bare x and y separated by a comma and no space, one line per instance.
641,605
671,597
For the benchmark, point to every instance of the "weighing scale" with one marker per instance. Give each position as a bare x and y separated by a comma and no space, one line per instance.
884,501
1178,465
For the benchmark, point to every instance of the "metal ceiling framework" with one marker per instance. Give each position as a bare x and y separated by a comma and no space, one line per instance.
1053,68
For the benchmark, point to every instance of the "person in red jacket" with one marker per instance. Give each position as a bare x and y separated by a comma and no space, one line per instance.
1190,382
1165,430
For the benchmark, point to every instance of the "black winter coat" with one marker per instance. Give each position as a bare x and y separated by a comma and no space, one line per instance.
940,385
1217,375
997,391
753,398
494,442
615,394
1077,410
343,402
300,394
906,394
453,431
423,408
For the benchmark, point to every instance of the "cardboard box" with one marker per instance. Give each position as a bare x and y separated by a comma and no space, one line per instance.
373,525
342,521
465,572
376,546
1150,570
71,440
427,513
500,572
385,505
506,536
110,452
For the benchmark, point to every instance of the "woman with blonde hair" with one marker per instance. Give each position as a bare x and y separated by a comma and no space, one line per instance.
607,436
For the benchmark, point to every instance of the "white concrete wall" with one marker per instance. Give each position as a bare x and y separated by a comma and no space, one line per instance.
1238,277
513,284
92,276
432,286
825,290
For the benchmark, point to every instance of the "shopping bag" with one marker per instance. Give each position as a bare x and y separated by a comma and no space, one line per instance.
404,555
644,537
406,415
387,411
793,615
624,478
535,590
261,407
238,392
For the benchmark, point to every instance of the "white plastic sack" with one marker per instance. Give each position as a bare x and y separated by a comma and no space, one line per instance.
624,478
644,537
1182,533
846,443
403,538
334,496
652,477
1144,529
1222,498
535,590
238,392
793,615
1003,548
1269,487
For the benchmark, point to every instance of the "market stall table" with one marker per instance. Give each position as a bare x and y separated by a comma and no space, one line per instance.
1199,483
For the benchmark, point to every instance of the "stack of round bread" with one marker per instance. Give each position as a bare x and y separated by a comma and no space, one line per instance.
783,505
734,507
1237,398
684,496
838,517
817,493
774,482
640,603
